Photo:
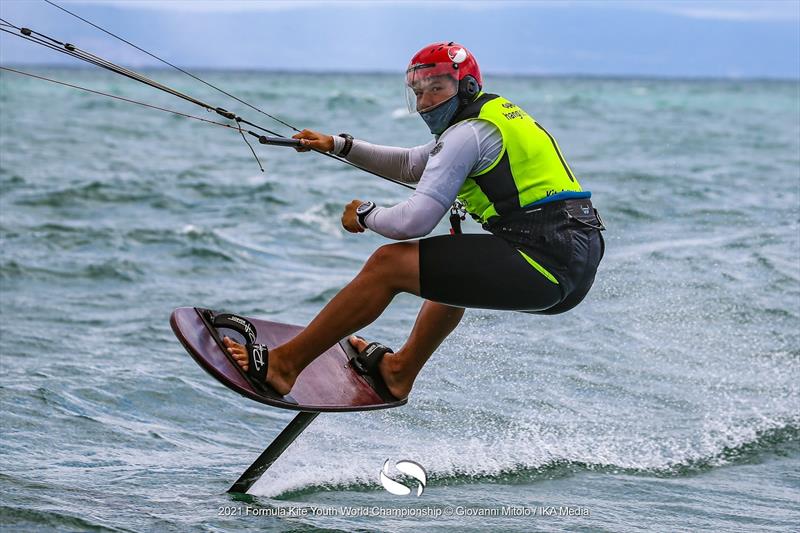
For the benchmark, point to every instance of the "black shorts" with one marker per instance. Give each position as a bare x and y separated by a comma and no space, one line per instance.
489,271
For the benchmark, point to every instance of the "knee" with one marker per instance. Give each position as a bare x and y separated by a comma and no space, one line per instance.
390,264
382,261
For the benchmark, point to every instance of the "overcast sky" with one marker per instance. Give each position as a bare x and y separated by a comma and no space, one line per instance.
657,38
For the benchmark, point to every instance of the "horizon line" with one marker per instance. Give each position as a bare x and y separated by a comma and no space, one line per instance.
505,75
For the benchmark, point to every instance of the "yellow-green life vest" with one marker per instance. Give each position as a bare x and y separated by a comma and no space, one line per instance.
529,168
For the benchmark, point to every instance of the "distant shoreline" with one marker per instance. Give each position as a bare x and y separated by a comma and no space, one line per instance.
500,75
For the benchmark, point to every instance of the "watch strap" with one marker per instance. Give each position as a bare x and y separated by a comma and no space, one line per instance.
362,217
348,144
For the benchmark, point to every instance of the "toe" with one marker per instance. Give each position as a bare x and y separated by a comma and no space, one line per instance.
358,343
233,346
237,351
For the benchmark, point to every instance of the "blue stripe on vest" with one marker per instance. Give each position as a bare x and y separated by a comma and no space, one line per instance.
565,195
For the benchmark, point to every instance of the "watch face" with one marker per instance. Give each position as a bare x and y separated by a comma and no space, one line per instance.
363,208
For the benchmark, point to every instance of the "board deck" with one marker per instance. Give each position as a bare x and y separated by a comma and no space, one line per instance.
329,383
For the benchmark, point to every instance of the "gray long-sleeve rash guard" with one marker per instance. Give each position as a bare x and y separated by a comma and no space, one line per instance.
466,148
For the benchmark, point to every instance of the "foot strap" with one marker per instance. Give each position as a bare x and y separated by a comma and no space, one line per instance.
257,354
367,361
257,363
239,324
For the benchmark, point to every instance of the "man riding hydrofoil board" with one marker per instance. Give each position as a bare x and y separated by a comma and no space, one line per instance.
540,254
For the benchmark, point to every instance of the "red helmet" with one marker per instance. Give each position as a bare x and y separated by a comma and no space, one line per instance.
440,61
460,61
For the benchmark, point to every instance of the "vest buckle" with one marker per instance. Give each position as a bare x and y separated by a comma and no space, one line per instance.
457,214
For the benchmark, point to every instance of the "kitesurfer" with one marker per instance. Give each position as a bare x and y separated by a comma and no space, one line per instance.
539,255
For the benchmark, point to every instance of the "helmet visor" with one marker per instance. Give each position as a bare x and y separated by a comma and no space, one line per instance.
428,85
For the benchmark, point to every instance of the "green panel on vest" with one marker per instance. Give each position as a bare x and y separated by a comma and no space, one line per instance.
536,168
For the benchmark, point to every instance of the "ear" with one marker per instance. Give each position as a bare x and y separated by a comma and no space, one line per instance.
467,89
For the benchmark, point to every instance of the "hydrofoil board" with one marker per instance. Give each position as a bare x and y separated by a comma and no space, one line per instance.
329,383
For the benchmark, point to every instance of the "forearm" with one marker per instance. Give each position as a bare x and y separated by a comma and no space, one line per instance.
443,177
416,217
402,164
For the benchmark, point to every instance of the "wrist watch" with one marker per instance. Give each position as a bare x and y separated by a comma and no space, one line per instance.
362,211
348,144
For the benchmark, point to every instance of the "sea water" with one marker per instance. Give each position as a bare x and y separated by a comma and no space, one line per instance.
668,400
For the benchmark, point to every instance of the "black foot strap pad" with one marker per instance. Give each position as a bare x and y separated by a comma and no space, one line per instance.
257,365
257,361
258,358
236,323
366,363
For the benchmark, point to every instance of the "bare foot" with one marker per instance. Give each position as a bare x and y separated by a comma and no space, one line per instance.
277,378
390,369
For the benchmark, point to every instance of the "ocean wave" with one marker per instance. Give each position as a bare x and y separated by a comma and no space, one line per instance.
109,269
516,462
350,100
321,217
676,370
261,194
99,104
206,254
95,191
26,519
11,179
261,95
401,113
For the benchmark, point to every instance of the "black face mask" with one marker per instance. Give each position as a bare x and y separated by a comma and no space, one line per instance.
438,118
